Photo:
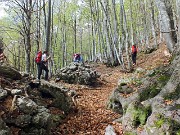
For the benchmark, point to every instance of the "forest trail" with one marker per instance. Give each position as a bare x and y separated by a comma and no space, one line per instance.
92,116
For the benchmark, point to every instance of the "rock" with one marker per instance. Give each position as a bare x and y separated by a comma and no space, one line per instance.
157,124
59,95
37,118
125,89
110,130
78,73
34,131
3,94
42,119
154,107
23,120
136,115
140,70
124,81
24,74
9,72
150,73
4,129
26,105
16,92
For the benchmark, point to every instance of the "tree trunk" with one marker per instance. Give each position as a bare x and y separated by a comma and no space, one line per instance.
48,28
178,17
166,26
153,24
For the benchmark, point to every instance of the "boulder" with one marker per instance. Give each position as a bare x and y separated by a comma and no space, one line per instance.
32,116
154,106
3,94
9,72
78,73
58,95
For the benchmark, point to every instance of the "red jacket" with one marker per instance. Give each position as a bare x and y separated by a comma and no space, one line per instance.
134,49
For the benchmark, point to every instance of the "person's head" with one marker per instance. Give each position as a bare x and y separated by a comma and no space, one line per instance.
45,52
134,44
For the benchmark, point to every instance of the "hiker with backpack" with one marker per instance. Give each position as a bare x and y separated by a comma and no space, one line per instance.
77,57
134,54
41,60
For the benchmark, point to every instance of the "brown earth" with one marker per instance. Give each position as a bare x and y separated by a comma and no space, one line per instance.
92,116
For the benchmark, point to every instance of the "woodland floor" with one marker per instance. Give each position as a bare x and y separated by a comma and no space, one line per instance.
92,116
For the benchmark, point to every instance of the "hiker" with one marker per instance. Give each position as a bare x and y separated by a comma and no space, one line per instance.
134,54
2,56
77,57
42,64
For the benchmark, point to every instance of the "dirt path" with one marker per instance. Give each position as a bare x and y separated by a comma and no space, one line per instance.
92,116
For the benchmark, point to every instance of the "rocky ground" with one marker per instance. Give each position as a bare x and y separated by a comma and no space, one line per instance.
92,116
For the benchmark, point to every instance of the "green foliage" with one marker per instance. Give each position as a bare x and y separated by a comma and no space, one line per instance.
159,123
178,132
63,32
140,115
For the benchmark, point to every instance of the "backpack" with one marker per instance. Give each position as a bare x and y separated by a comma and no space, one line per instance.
38,57
134,49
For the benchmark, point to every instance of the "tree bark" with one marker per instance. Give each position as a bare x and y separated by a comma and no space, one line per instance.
48,28
166,26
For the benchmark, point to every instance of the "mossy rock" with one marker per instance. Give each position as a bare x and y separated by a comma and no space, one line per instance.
140,115
150,92
174,95
125,89
174,127
158,124
163,79
136,115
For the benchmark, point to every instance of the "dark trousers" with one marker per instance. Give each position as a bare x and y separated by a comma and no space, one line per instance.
41,67
134,57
